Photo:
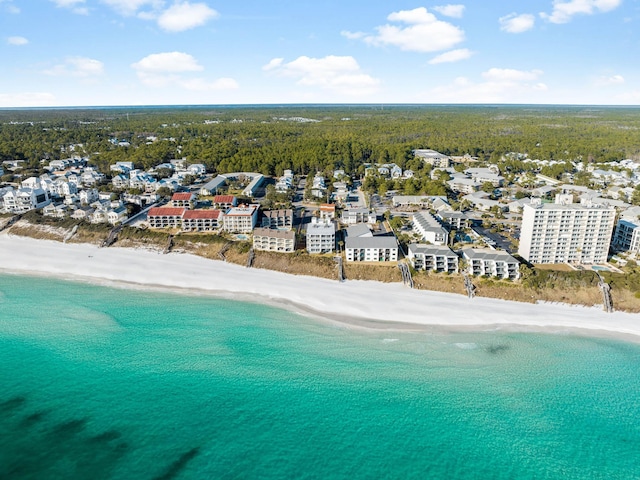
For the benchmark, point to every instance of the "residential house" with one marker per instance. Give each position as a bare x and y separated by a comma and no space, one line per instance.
117,215
327,211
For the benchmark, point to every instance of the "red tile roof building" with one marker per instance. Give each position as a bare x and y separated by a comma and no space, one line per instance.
201,220
165,217
185,200
224,202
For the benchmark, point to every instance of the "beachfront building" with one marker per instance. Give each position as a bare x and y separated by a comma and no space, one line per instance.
362,246
183,200
241,219
492,263
165,217
321,237
627,236
24,199
433,258
202,220
564,232
270,240
428,227
282,219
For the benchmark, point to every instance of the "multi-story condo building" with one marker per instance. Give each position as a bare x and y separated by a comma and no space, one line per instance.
165,217
627,236
271,240
566,232
426,225
183,199
277,218
493,263
321,237
241,219
224,202
362,246
202,220
435,258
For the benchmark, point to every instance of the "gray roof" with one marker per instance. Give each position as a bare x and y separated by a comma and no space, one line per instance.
425,249
371,242
268,232
215,183
359,230
485,254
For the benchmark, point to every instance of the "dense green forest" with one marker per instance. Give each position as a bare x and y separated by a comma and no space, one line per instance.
271,139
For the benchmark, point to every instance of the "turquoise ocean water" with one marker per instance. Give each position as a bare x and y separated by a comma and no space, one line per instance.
102,383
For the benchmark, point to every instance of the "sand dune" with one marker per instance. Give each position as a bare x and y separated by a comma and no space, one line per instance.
353,301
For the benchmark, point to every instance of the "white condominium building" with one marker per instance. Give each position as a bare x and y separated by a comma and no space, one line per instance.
241,219
492,263
426,225
566,233
436,258
321,237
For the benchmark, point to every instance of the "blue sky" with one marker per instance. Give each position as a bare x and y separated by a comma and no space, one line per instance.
164,52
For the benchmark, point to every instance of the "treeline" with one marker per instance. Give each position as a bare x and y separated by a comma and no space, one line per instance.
269,140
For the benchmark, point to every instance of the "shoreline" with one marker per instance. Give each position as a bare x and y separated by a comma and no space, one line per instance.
358,304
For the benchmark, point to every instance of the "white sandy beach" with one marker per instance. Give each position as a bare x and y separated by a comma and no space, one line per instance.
359,300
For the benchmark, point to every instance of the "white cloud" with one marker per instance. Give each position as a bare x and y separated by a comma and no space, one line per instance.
612,80
454,11
498,86
10,7
423,32
77,67
130,8
168,62
169,69
18,41
452,56
184,16
335,73
27,99
563,11
73,5
353,35
514,23
510,75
